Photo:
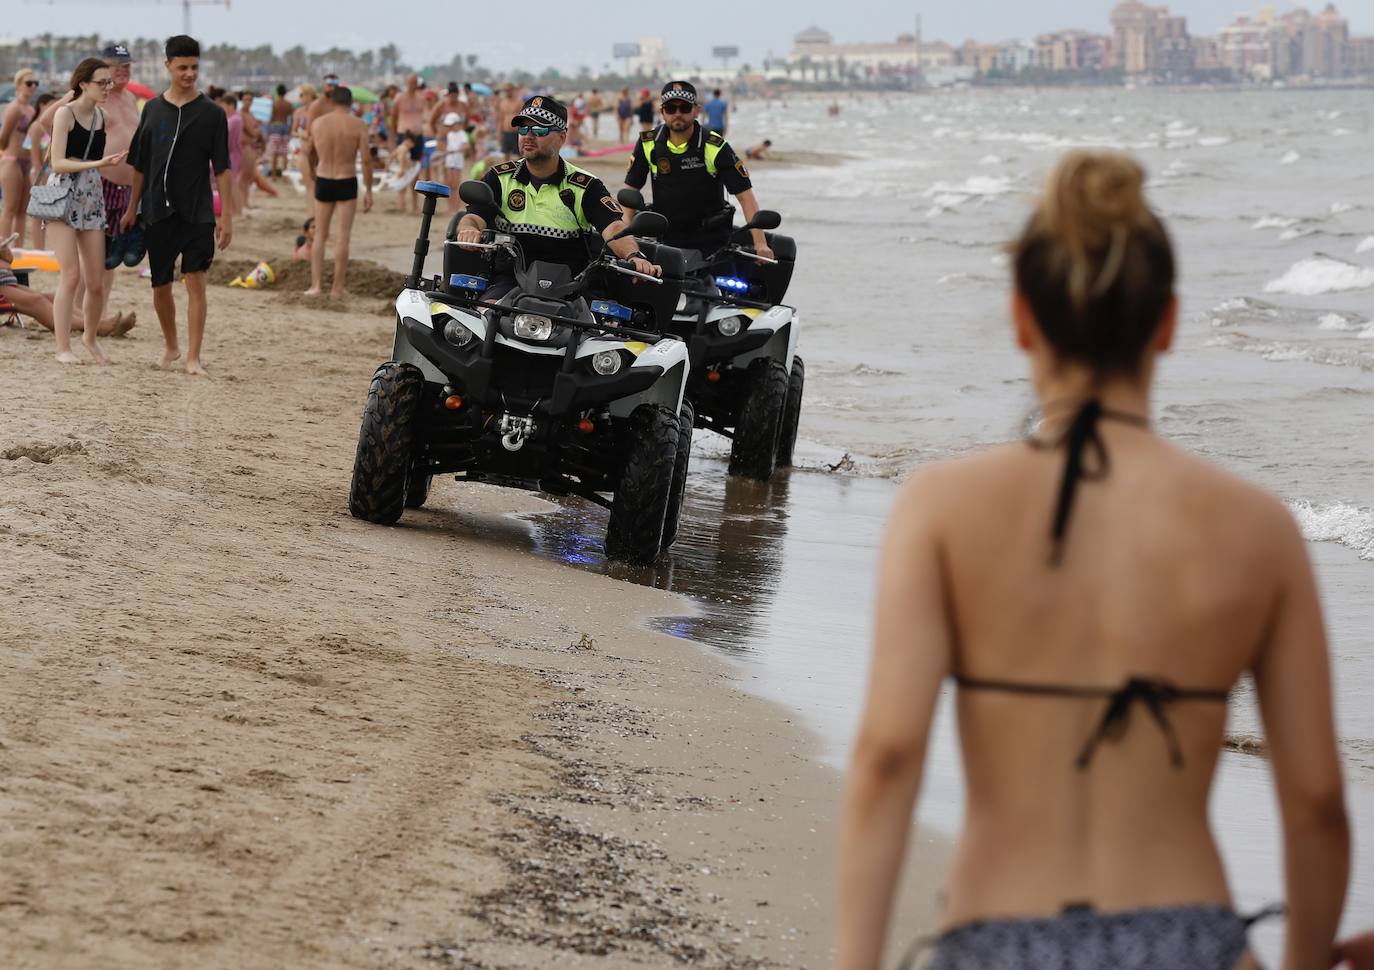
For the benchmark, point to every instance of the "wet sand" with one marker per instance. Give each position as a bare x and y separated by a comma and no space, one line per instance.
239,727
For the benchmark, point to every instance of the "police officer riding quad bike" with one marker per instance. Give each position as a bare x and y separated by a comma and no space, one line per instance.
746,378
562,384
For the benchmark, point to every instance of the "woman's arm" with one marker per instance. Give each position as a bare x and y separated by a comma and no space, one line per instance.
911,657
1293,679
8,124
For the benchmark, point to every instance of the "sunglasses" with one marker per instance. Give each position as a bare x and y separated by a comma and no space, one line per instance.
107,83
539,131
30,84
678,108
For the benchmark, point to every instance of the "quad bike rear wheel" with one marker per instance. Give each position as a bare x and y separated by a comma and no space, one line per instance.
382,466
754,454
791,413
640,506
686,418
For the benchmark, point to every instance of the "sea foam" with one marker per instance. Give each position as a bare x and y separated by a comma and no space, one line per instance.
1321,274
1366,244
1274,222
1289,158
1350,526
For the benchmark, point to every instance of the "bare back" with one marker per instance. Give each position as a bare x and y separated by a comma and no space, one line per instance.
1171,570
338,138
121,121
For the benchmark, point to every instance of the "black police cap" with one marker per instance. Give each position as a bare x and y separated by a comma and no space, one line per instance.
678,91
543,110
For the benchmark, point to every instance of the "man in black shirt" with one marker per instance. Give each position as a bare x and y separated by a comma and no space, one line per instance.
180,136
692,169
547,204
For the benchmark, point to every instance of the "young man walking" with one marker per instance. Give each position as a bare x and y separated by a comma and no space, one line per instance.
338,140
180,136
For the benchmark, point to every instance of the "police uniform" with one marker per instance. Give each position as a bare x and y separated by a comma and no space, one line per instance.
552,217
689,180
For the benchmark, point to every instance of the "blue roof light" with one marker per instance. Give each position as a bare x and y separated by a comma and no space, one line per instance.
731,283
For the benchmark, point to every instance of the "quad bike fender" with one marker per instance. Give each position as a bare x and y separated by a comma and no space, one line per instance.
779,321
670,356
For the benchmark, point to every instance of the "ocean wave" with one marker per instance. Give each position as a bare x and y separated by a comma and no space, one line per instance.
1275,222
1365,245
1289,157
1349,525
1336,321
1322,274
1278,351
1288,235
1213,141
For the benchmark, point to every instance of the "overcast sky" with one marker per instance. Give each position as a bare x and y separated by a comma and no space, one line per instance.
534,34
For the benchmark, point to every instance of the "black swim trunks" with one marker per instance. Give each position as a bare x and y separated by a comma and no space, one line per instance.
336,190
169,238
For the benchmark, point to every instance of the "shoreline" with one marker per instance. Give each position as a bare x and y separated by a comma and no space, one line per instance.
240,722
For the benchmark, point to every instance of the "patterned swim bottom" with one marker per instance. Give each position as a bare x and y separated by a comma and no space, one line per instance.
1209,937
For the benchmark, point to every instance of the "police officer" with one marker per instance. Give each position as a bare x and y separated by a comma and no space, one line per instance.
547,204
691,170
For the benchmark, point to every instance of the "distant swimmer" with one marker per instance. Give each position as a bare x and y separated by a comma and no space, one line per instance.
760,151
833,109
692,169
340,143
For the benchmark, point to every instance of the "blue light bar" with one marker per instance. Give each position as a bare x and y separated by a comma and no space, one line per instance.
464,282
730,283
606,308
433,188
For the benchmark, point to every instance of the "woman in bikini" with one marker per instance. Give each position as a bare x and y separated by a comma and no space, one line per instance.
1095,593
16,158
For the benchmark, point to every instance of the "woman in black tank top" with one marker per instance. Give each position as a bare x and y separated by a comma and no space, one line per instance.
78,153
1094,594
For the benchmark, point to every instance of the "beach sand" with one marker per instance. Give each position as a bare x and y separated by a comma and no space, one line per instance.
240,728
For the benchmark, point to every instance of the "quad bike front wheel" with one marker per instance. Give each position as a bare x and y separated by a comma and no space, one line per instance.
382,466
686,418
640,506
755,449
791,413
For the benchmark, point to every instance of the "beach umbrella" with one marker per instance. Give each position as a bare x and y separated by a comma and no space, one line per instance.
363,95
480,88
141,91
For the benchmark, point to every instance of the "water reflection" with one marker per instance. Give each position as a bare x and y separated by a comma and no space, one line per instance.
727,557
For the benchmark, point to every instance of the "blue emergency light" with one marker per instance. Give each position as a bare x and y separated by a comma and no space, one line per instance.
462,281
731,283
606,308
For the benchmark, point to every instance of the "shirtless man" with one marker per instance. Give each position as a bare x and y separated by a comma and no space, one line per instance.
121,119
316,109
279,131
408,111
339,140
450,104
508,105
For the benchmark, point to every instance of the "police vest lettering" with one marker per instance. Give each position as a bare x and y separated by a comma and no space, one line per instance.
542,211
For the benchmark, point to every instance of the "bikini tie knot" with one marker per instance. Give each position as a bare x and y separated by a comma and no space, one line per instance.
1155,695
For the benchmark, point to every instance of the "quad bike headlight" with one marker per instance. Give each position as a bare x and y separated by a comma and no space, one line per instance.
607,362
730,326
529,326
457,334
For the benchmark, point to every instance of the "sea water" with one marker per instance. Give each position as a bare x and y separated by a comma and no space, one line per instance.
903,290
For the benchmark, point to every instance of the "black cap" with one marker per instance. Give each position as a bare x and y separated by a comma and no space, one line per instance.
452,87
544,110
678,91
117,54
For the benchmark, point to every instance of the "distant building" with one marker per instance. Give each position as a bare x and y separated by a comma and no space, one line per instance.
981,57
654,59
1135,36
1361,56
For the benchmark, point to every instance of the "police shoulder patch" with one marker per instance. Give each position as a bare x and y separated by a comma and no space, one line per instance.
580,178
504,168
647,135
739,167
714,138
611,204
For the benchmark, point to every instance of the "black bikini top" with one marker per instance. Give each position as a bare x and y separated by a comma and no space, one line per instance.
1080,437
1156,695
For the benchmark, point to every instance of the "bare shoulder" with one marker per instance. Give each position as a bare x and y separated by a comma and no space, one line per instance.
934,492
1223,493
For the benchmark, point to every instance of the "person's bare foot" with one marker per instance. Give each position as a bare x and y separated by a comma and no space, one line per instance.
93,348
194,368
67,357
169,357
124,322
313,291
337,294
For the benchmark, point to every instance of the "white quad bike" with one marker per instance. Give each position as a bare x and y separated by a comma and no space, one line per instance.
548,388
746,379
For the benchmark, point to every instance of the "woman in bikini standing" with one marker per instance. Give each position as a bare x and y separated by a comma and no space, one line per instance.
1095,593
16,159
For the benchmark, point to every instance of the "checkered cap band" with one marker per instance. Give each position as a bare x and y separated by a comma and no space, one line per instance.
542,116
678,94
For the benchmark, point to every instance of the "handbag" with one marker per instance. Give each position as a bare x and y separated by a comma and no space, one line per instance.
51,202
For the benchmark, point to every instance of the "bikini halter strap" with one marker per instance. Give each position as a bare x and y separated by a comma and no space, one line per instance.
1081,436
